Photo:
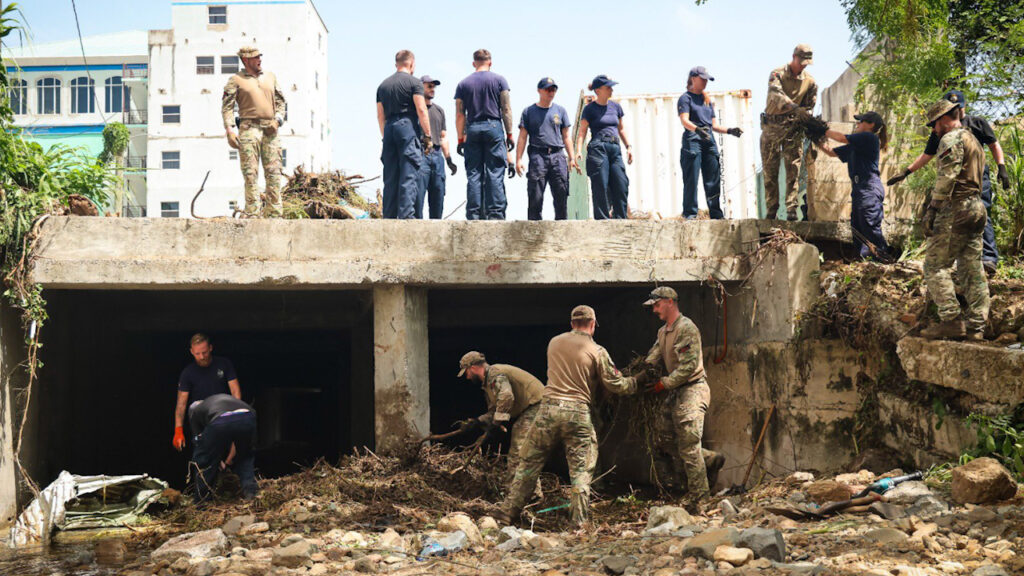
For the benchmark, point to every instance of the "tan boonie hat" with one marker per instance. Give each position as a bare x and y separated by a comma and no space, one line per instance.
659,293
938,110
470,359
584,313
805,53
249,52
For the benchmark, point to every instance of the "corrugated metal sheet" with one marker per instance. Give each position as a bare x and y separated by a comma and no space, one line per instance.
655,177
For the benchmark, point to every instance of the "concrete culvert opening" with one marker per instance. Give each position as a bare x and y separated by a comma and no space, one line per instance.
104,402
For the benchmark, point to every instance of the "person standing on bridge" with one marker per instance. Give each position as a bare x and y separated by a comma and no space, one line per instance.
609,185
433,185
482,107
546,124
405,129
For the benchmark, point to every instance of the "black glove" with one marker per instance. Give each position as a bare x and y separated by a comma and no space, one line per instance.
428,144
511,170
704,133
899,177
1003,177
468,424
737,132
814,128
641,378
510,143
929,221
461,149
451,165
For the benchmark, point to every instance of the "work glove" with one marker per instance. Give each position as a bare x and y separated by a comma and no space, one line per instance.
737,132
179,438
428,144
655,387
704,133
451,165
511,170
929,221
461,148
899,177
1003,177
233,140
510,143
642,378
468,424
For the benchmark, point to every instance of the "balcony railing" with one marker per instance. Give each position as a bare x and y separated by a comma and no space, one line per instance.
134,117
134,211
137,162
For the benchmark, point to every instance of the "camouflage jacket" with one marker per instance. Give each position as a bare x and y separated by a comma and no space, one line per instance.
784,89
678,349
961,162
577,366
257,97
509,391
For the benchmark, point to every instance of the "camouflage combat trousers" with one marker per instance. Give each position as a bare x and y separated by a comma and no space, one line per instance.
257,144
946,247
517,437
678,454
558,422
781,142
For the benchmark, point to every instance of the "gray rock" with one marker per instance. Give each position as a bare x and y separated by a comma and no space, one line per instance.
703,545
659,515
887,510
366,565
907,493
765,542
445,544
927,506
981,514
617,564
204,544
509,533
990,570
661,530
728,508
233,526
886,536
797,498
293,555
799,568
510,545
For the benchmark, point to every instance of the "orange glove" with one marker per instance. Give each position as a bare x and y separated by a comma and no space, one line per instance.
656,388
179,438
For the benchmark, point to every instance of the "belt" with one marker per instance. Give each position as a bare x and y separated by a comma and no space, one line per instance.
226,415
610,139
775,118
574,405
401,116
482,120
545,149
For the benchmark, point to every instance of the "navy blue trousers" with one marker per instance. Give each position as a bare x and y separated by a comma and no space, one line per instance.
432,185
402,157
213,445
548,166
866,217
486,161
700,157
609,185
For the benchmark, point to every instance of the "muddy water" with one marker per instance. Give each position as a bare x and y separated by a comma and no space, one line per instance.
103,558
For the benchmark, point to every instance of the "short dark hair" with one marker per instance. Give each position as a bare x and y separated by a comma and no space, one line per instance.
482,55
582,323
198,338
404,57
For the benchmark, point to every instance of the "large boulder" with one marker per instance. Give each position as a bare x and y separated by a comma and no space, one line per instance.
206,544
704,545
982,481
294,554
828,491
765,542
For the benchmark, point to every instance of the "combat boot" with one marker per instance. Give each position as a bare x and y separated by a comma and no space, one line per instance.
714,463
975,336
949,330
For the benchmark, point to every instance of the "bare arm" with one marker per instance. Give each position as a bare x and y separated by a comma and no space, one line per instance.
567,141
521,144
684,119
380,118
921,161
506,111
716,128
622,136
824,147
837,136
444,144
997,153
460,121
582,136
179,409
236,388
421,111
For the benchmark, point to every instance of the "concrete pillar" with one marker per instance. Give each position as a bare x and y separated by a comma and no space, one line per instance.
8,474
401,386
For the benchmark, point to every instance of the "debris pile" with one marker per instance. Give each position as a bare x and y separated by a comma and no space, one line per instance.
326,195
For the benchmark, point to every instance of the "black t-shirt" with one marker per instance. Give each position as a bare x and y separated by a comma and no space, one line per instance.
438,123
201,383
201,414
395,94
978,126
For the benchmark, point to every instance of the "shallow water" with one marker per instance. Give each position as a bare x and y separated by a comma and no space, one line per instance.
78,559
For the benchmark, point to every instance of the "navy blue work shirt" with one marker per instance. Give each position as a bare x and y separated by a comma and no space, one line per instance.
202,382
480,93
860,156
603,120
544,125
701,112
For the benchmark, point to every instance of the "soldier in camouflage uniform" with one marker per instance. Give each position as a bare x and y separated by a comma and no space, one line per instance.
511,393
576,367
792,94
685,397
261,110
954,222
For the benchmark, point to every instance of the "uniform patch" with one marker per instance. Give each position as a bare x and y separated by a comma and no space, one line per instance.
220,373
556,119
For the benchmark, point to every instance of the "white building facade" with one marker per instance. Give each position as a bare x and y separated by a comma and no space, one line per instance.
191,63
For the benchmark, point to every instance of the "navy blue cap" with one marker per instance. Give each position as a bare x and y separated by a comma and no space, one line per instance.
546,83
871,118
702,72
956,97
429,80
601,80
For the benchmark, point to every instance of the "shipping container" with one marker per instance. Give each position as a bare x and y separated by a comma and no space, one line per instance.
655,177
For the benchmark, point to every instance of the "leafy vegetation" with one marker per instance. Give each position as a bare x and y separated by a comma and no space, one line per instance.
999,437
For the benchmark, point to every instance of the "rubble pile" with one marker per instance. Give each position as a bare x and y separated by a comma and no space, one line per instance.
355,519
326,195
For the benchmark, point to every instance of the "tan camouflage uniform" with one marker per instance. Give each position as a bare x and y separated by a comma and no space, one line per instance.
261,108
782,138
512,394
680,426
576,367
961,162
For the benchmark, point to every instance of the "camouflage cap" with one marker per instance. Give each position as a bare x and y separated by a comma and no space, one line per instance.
583,312
938,110
470,359
805,53
659,293
249,52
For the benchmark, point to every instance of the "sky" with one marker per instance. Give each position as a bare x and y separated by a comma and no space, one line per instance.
647,46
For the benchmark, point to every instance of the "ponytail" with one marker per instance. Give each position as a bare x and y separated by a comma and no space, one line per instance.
883,135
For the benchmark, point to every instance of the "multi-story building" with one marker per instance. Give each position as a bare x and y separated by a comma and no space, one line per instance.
61,97
166,86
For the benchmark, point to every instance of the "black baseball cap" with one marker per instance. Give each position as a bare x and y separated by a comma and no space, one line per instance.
546,83
870,117
600,81
956,97
429,80
702,72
